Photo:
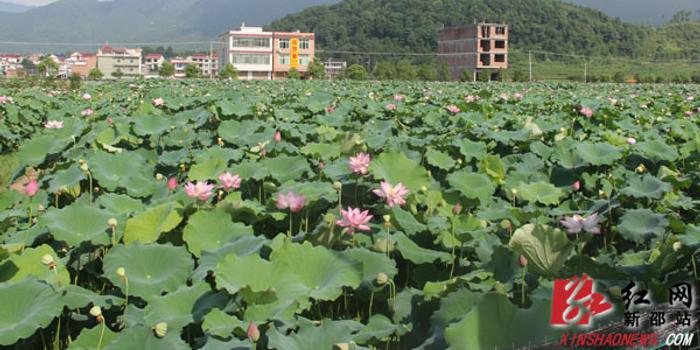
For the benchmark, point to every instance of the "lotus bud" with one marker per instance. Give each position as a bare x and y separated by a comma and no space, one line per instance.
219,141
641,168
182,167
341,346
424,189
159,177
457,209
121,272
47,260
84,167
483,224
161,329
40,207
112,222
602,193
677,246
337,185
253,332
459,161
514,191
255,149
96,312
382,278
505,224
81,161
523,261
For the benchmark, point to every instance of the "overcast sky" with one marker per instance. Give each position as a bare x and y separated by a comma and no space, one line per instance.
30,2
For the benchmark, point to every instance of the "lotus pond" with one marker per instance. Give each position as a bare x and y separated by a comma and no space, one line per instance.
313,215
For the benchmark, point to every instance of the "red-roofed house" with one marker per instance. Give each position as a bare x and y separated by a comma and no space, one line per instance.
113,59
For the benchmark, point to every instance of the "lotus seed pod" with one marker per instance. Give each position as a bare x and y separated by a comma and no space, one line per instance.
341,346
96,311
514,191
505,224
112,222
40,207
182,167
161,329
523,261
255,149
459,161
253,332
84,167
382,278
677,246
47,260
337,185
424,189
121,272
81,161
159,177
483,224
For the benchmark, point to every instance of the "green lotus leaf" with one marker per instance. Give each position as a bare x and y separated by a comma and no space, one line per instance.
546,249
208,230
312,191
243,133
147,226
28,305
143,337
471,150
657,150
244,245
406,221
454,306
416,254
29,263
207,169
395,167
472,185
646,187
599,153
89,338
372,264
439,159
639,224
122,170
120,204
150,125
151,269
378,327
77,223
35,150
66,178
221,324
78,297
284,168
542,192
324,336
325,151
176,307
482,327
236,272
233,344
230,109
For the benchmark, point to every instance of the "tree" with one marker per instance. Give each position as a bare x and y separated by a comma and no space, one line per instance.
167,70
75,81
385,70
444,73
229,72
406,71
192,71
47,66
316,70
354,72
117,73
427,72
95,74
293,74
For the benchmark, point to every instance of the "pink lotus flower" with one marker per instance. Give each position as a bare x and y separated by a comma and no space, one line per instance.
586,112
290,201
158,102
86,113
353,219
453,109
330,109
503,96
394,194
518,96
398,98
86,96
470,99
688,113
359,164
391,107
5,99
229,181
253,333
576,186
643,107
631,141
690,98
698,109
278,136
523,261
31,188
457,209
172,183
577,223
201,190
54,124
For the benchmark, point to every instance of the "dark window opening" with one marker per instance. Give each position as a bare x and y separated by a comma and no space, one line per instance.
500,30
500,44
485,45
485,31
485,59
500,58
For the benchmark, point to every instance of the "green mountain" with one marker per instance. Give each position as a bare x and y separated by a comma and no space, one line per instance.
138,21
549,25
652,12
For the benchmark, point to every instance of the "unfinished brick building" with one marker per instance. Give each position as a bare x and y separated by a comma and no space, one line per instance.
473,48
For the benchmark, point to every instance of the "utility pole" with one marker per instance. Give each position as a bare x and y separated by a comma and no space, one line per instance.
585,72
529,57
211,60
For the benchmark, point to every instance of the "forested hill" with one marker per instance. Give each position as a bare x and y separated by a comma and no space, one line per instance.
550,25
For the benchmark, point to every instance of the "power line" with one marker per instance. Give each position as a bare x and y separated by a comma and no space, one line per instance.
28,43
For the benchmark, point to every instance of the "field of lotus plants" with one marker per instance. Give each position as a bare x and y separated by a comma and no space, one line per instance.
318,215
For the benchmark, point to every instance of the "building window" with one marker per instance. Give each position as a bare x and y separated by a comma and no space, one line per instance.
500,44
250,59
303,60
500,30
500,58
284,59
304,44
284,44
251,42
485,45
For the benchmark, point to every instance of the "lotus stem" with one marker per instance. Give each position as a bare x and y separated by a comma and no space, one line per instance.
102,333
31,208
90,189
452,269
114,236
290,225
392,294
695,268
371,301
57,339
522,287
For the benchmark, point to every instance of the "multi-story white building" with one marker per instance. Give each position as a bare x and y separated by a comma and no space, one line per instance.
180,63
208,65
250,51
333,68
112,59
152,63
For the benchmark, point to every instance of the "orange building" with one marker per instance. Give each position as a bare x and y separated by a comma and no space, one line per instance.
292,50
82,63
